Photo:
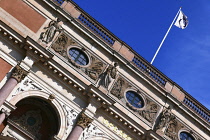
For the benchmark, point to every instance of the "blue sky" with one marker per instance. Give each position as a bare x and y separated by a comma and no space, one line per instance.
142,24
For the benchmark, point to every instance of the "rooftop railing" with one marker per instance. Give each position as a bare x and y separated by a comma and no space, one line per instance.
196,108
148,70
96,29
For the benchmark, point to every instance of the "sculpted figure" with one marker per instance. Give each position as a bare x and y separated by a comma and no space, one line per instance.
108,75
52,28
166,117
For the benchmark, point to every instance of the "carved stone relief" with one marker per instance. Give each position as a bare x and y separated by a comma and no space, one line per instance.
91,132
26,85
108,76
93,70
150,111
50,31
165,117
119,88
71,118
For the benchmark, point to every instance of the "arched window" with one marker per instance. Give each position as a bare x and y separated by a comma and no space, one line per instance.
134,99
186,136
78,56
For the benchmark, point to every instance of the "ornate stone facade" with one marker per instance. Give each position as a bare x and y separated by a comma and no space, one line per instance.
93,70
121,101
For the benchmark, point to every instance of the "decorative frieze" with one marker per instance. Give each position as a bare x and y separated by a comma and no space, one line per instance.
84,120
19,73
94,68
119,87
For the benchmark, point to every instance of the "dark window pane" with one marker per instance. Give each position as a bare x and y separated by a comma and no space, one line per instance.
134,99
186,136
78,56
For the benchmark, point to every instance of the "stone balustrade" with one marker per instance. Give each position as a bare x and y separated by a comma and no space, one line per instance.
197,108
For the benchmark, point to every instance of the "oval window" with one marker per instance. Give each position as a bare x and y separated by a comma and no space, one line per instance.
78,56
186,136
134,99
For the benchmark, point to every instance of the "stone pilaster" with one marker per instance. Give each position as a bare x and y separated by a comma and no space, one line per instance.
17,75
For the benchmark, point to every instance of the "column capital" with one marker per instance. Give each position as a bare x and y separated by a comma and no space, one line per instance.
84,120
19,73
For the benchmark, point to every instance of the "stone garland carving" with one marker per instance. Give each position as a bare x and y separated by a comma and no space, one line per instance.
150,111
84,121
93,131
119,88
116,130
93,70
51,30
30,121
108,76
18,73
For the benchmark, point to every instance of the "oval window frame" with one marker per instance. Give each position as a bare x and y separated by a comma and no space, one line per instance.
139,94
84,51
186,131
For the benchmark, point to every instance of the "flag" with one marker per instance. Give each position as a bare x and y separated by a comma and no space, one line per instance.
181,21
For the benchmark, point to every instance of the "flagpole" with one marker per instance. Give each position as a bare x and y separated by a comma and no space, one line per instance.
165,36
